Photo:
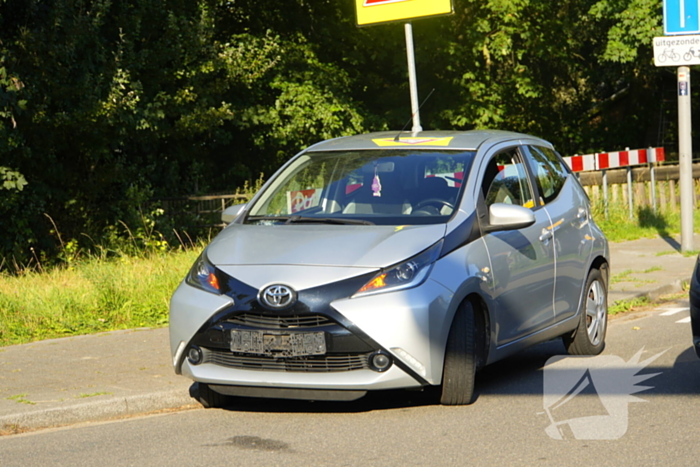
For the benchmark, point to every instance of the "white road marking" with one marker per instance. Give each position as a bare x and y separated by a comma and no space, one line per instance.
673,311
684,320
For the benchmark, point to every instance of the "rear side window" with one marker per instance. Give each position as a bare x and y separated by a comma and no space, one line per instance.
550,172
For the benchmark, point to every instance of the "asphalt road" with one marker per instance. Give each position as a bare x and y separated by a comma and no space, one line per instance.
511,423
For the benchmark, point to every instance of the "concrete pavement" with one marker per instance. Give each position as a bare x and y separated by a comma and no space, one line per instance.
649,267
86,378
98,377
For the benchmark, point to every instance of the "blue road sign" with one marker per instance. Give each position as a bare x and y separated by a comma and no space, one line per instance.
681,17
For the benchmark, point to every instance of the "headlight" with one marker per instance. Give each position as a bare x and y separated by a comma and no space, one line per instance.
203,275
410,273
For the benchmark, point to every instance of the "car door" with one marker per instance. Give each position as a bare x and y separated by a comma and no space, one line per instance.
522,261
568,208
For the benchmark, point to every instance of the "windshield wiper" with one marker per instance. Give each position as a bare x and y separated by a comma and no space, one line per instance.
326,220
268,218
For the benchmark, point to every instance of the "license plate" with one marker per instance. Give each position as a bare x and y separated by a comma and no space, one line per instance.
278,344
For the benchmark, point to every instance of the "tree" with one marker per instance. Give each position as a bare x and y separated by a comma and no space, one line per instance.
106,104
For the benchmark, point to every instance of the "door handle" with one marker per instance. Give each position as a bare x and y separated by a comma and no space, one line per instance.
484,274
582,217
546,235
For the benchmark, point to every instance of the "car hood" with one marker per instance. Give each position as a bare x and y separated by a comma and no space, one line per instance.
321,245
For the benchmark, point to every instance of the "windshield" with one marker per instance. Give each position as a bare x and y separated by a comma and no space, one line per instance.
384,187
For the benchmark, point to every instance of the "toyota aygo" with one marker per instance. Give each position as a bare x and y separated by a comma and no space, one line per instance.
379,261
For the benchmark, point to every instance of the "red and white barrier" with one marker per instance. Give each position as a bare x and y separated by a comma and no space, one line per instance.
614,160
581,163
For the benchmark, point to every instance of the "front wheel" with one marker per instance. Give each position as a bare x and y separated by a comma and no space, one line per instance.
459,368
206,396
589,336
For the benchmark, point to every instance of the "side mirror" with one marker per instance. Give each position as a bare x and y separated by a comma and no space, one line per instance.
230,213
509,217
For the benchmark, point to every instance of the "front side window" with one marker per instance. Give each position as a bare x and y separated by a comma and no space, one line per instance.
550,172
387,187
506,181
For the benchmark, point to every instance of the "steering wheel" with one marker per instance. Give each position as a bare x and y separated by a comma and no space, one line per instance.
434,201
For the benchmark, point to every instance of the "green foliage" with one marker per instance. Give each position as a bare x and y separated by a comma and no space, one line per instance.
634,24
11,180
108,104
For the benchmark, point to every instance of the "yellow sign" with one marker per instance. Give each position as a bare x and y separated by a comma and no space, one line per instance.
384,11
387,142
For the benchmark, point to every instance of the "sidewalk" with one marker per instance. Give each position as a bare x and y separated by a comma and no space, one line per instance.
98,377
649,268
86,378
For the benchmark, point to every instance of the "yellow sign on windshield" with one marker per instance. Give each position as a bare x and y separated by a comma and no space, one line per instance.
388,142
384,11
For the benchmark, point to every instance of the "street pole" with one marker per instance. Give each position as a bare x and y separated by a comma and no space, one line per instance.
410,54
685,156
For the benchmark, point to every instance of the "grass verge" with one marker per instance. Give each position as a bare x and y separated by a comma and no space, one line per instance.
624,306
92,295
641,303
618,227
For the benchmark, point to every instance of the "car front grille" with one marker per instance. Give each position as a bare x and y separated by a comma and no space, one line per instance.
314,364
279,322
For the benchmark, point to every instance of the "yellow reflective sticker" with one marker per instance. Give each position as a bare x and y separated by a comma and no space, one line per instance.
530,204
400,228
387,142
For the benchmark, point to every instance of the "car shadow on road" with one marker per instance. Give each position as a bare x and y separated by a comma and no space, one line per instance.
503,377
374,400
520,375
523,374
682,379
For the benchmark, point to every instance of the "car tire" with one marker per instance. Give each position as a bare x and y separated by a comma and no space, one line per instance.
589,336
459,368
209,398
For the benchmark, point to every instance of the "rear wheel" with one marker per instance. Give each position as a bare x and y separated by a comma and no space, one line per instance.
589,336
209,398
459,369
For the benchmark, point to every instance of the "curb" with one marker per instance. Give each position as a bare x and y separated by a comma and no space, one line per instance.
94,411
674,287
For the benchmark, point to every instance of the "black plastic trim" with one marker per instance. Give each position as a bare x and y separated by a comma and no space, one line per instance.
288,393
465,233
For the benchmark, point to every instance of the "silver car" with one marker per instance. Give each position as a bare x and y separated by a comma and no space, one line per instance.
379,261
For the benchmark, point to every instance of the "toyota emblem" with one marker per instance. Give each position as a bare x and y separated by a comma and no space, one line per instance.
277,297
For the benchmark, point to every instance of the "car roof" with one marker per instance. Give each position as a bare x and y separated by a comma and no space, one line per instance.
449,140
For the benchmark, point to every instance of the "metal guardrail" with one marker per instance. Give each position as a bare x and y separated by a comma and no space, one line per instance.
650,185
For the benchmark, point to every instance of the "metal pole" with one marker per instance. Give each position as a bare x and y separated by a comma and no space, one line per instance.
630,196
605,193
685,156
410,54
652,171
